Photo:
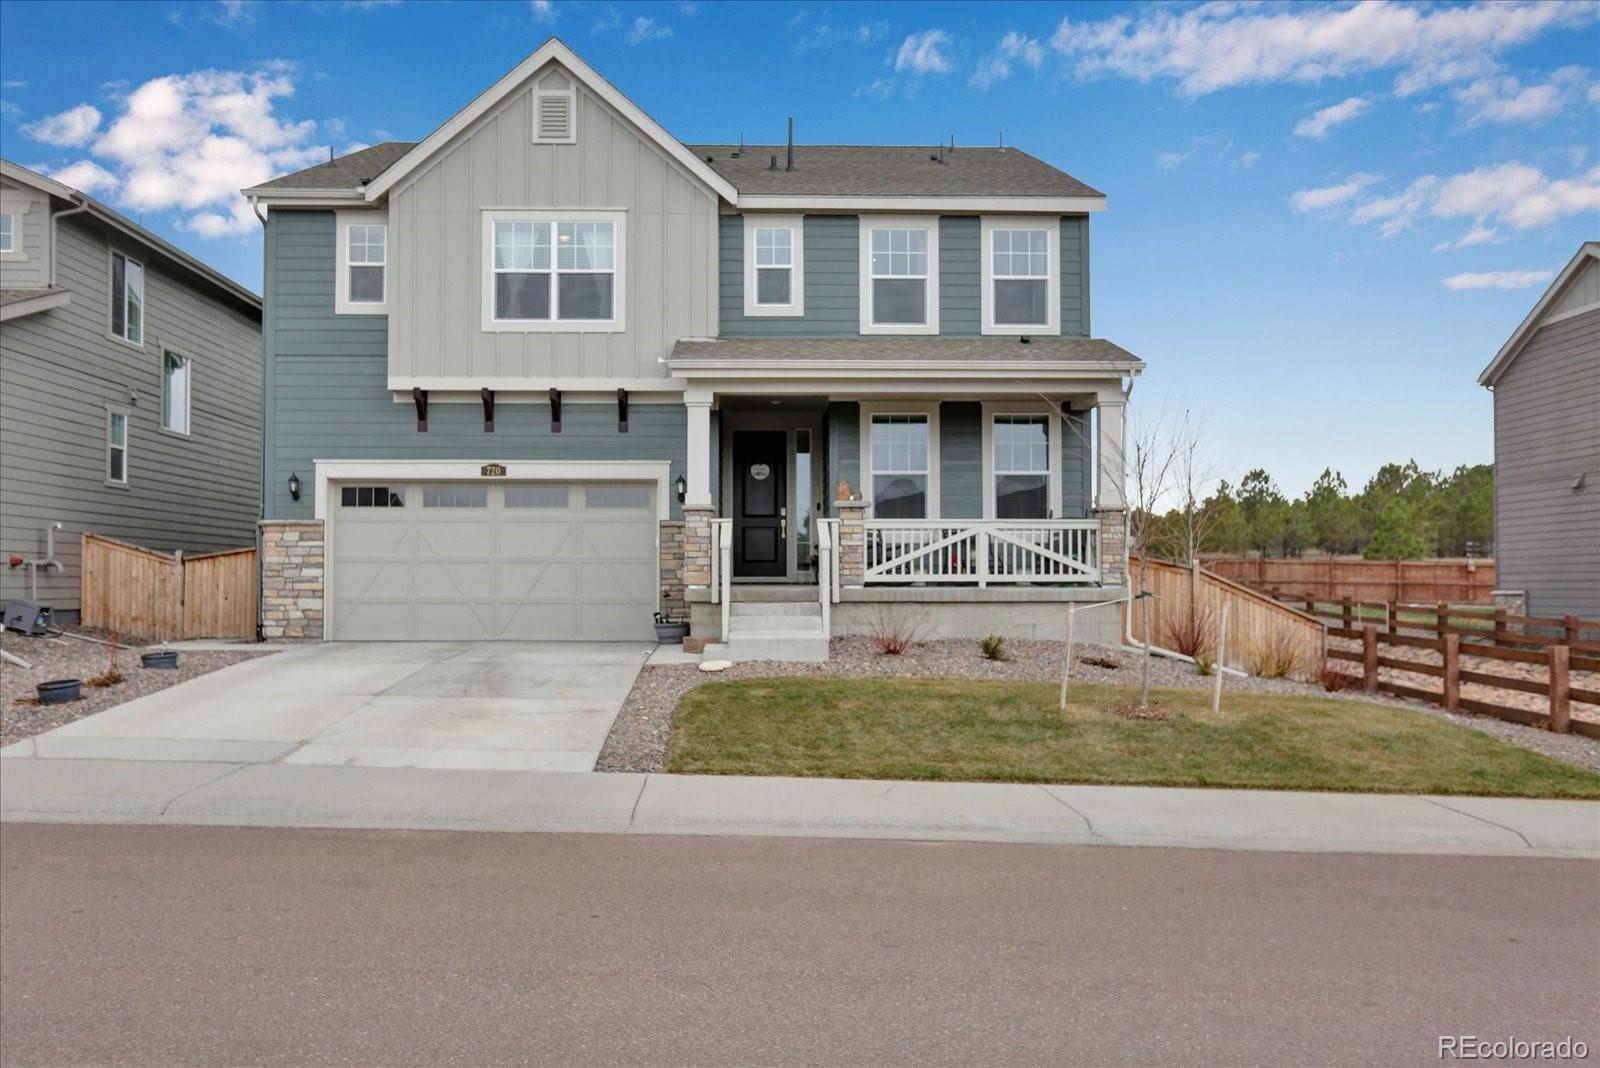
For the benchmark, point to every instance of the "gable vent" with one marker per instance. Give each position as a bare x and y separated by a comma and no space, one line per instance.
553,119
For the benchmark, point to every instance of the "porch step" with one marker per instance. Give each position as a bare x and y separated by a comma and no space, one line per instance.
785,609
805,647
810,626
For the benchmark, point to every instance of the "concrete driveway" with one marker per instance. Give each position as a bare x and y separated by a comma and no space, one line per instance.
520,706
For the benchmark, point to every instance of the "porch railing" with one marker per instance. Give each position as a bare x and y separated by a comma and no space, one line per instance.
986,552
827,569
722,568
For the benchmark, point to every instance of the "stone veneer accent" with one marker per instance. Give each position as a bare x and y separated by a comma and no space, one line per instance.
674,603
1113,546
852,548
292,568
697,546
1512,602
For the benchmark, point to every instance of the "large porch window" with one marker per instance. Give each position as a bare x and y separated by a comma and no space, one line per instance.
1021,480
900,466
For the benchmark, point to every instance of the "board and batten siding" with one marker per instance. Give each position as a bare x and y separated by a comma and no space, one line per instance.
328,396
59,370
435,319
833,279
1547,437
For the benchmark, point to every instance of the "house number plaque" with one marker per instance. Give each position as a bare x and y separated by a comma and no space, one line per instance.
493,470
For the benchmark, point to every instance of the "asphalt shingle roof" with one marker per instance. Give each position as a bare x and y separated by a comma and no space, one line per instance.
345,172
910,349
890,170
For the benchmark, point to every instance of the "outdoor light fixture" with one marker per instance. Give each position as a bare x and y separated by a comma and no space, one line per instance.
294,487
682,486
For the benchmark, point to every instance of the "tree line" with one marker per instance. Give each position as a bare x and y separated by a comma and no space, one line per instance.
1402,513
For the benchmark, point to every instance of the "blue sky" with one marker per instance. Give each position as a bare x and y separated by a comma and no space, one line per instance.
1323,219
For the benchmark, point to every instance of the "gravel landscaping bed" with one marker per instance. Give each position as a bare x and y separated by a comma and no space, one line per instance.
639,737
21,716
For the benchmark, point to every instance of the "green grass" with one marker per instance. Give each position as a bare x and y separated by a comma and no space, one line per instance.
1012,732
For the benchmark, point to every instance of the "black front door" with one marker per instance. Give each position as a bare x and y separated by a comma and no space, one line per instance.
760,518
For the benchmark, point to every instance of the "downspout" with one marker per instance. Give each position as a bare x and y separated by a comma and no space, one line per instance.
81,204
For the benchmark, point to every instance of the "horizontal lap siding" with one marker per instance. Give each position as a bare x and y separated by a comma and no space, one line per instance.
58,370
961,460
844,447
1547,435
960,276
1075,276
1077,486
832,279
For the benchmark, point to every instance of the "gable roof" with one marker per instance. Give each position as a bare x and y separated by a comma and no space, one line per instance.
1588,253
350,171
119,222
552,50
890,171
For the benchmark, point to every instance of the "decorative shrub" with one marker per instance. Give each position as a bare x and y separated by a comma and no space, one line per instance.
994,647
893,634
1099,661
1193,633
1333,681
113,672
1276,657
1204,664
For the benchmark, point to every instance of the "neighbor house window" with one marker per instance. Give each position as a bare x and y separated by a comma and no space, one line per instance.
117,447
176,372
8,233
127,298
1021,265
1021,445
900,468
554,273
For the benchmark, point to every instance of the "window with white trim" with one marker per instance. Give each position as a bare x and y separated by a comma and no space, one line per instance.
127,298
1020,262
774,265
1021,460
367,258
176,387
899,465
8,232
898,267
553,272
117,446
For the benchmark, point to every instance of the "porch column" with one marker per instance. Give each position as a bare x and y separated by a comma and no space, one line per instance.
1111,506
698,460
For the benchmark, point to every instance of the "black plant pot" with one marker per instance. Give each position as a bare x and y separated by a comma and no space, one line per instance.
671,633
59,691
166,658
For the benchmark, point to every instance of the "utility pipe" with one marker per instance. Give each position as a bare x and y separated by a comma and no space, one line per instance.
47,562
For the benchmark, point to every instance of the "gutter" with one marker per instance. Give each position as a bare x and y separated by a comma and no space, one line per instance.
81,204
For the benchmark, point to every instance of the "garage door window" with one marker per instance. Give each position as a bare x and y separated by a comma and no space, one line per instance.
536,496
372,497
455,496
617,497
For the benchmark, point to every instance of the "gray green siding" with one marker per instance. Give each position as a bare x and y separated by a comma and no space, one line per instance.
961,460
1075,276
844,446
1077,479
960,276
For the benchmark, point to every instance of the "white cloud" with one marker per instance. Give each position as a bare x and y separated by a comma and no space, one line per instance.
924,52
1478,235
234,12
1317,125
1498,280
9,111
1518,194
879,87
1593,96
810,32
71,128
608,19
542,10
1397,212
1246,160
86,175
1223,44
647,29
1329,196
1014,47
1168,160
868,32
1505,99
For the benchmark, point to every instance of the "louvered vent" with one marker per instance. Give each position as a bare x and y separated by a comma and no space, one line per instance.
554,118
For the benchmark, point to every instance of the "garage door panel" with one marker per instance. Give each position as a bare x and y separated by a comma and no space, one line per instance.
528,561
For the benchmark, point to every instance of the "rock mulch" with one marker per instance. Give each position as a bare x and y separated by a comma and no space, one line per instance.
639,737
21,716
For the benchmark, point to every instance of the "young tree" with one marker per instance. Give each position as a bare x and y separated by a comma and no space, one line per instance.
1150,458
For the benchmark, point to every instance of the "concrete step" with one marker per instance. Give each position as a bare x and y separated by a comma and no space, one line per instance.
738,625
784,609
804,647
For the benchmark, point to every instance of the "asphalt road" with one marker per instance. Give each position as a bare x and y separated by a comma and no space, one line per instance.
198,945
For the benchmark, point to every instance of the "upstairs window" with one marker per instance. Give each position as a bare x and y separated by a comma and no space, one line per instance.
117,446
8,232
774,265
1021,275
553,273
175,390
900,292
363,284
127,299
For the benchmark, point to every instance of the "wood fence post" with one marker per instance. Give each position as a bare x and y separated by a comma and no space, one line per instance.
1452,672
1394,617
1344,604
1399,580
1499,626
182,575
1369,658
1560,710
1571,628
1441,616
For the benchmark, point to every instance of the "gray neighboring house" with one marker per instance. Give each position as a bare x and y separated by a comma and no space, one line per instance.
550,370
130,391
1546,383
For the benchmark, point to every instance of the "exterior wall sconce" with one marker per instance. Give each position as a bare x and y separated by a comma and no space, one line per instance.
294,487
682,486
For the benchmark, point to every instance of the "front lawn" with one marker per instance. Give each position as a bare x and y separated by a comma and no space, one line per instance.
1012,732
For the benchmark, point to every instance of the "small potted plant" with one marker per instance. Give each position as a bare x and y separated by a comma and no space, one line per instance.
670,631
59,691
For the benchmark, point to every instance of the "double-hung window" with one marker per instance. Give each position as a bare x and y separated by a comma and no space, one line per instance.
363,285
900,466
1021,463
8,233
774,265
899,275
1021,275
117,446
127,298
553,271
176,379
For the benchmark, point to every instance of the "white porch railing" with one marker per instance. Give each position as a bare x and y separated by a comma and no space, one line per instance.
722,568
985,552
827,569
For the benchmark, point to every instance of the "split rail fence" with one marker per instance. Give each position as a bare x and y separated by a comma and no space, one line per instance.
152,596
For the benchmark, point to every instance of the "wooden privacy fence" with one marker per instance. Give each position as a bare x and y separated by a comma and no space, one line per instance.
1258,627
151,596
1457,581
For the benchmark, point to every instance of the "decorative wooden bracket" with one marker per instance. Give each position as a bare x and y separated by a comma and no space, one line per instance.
488,410
419,396
622,411
555,410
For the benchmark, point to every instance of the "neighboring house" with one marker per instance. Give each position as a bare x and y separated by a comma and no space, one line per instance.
130,391
549,370
1546,383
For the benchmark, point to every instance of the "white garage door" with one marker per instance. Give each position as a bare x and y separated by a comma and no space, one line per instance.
531,561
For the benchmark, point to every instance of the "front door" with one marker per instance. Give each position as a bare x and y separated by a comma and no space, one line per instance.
760,515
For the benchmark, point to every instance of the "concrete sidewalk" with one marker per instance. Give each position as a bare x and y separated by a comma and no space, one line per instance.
292,795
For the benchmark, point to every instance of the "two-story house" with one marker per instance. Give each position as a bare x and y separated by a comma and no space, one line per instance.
549,370
130,391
